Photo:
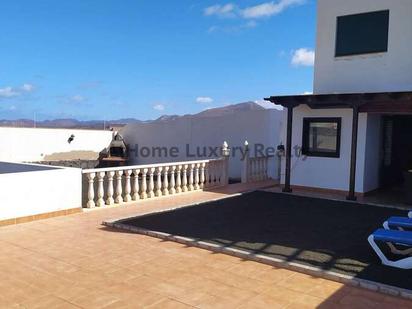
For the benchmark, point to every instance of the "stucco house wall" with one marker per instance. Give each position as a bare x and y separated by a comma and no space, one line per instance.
380,72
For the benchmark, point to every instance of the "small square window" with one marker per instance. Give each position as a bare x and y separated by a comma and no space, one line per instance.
321,137
362,33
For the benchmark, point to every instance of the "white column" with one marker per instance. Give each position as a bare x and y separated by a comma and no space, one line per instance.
143,194
206,182
166,181
136,186
202,175
100,189
172,186
191,180
151,193
245,163
109,197
90,192
118,195
184,178
225,175
197,178
179,179
127,187
159,181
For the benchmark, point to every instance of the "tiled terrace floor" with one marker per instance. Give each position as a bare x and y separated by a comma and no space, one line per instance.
75,262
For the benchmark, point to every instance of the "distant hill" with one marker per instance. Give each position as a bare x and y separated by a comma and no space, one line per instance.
68,123
100,124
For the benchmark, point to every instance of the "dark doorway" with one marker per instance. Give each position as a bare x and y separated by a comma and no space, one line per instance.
397,151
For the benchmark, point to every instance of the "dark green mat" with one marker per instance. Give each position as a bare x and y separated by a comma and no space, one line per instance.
331,235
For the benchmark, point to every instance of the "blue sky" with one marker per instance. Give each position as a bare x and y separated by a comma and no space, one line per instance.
109,59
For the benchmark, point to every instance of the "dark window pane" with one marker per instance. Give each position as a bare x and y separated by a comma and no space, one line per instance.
362,33
323,137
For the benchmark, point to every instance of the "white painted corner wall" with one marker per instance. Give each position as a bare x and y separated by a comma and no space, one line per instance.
26,192
378,72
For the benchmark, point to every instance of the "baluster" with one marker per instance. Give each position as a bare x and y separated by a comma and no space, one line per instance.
136,187
109,196
206,175
191,187
212,173
218,170
172,183
151,193
179,179
257,169
118,198
100,189
127,188
166,181
143,194
184,178
261,168
197,178
265,168
202,175
159,181
90,192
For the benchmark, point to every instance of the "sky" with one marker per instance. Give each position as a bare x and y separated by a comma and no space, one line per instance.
111,59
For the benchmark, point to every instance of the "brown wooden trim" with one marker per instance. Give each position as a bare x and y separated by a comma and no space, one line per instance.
288,151
47,215
354,148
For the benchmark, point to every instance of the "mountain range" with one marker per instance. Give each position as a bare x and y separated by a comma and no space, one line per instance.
100,124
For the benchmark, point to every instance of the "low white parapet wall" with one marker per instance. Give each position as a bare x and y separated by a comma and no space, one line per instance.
32,189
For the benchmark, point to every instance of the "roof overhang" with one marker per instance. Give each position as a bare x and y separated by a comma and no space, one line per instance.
395,102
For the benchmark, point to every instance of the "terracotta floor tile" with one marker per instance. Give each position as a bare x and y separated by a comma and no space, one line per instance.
49,302
75,261
170,304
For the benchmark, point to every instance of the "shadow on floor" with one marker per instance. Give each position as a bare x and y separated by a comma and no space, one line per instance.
331,235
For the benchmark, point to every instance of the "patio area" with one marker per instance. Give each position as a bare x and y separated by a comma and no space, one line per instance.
75,262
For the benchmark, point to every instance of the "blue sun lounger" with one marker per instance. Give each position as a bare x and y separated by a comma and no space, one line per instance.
398,223
393,238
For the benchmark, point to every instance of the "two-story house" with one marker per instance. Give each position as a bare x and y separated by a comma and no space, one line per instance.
355,131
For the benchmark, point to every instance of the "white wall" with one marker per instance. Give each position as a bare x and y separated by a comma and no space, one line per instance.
331,173
33,144
35,189
380,72
255,126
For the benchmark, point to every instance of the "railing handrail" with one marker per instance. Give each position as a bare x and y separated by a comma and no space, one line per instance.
132,167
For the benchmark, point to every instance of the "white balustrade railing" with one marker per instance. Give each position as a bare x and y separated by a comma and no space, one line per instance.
254,169
118,185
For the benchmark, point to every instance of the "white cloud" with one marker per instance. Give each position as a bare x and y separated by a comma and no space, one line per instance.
224,11
307,93
8,92
268,9
159,107
303,57
27,87
77,98
204,100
